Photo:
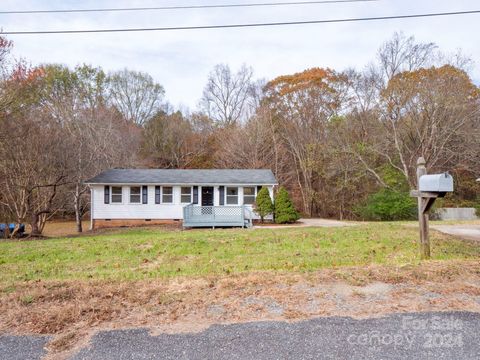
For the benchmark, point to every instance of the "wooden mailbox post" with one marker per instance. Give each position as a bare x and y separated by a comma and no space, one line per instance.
430,187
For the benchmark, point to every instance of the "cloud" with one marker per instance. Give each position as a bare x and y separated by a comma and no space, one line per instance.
181,60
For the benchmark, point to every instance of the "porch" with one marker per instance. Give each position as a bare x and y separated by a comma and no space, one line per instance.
217,216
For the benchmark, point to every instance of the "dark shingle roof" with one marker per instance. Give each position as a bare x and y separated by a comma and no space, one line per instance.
181,176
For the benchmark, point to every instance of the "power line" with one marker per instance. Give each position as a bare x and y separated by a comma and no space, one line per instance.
182,7
202,27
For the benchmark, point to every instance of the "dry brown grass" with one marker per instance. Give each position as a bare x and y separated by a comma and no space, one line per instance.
59,228
72,310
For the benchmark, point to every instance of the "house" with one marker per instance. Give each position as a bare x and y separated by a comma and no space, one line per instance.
203,198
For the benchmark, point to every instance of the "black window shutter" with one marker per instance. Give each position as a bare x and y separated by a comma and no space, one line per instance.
195,194
106,198
259,187
221,189
157,194
144,194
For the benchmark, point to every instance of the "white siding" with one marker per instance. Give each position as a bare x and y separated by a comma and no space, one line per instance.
125,210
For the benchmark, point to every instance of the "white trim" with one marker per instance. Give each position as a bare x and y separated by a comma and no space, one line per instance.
161,195
226,195
111,195
140,195
254,195
91,208
191,194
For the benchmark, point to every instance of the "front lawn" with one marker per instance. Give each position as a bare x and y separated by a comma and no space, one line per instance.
157,253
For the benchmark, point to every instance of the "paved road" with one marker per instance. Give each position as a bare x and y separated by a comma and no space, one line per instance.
454,335
22,347
470,232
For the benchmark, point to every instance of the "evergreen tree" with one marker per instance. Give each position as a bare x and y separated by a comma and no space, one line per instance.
284,210
263,203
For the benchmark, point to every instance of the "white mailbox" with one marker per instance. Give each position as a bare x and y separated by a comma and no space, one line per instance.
436,183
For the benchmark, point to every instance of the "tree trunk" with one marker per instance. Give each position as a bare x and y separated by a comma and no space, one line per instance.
78,214
34,225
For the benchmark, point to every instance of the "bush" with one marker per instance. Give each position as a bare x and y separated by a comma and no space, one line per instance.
477,210
388,205
263,203
285,212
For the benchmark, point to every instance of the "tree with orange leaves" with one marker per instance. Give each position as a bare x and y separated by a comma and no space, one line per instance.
431,113
304,104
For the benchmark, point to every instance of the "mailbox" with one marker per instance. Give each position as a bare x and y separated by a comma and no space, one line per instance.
437,183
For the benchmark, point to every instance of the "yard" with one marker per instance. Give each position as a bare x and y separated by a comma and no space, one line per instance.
176,280
140,253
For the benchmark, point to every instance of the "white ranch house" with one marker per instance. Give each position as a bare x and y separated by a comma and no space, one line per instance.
197,198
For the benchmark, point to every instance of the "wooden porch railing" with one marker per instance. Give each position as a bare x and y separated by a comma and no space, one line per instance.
217,216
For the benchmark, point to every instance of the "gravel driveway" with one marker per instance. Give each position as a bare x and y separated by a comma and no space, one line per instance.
469,232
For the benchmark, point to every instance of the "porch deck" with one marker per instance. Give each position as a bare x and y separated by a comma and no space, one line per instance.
217,216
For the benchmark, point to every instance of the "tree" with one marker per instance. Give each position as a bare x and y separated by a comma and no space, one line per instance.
303,106
96,134
429,113
263,203
172,140
388,205
135,94
284,210
33,167
226,96
402,53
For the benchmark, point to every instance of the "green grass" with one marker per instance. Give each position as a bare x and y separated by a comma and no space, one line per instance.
149,253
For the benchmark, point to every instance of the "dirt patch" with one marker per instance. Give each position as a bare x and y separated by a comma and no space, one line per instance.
73,310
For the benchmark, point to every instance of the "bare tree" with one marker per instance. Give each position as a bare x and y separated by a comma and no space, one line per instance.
402,53
98,137
33,168
226,95
135,94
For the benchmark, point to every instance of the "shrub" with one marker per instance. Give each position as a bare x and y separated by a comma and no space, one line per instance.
263,203
284,210
388,205
477,210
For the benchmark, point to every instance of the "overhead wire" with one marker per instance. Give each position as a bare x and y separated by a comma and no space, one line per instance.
183,7
244,25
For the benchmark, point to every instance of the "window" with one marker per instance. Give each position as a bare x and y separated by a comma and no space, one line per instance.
116,194
167,194
249,195
135,194
186,195
232,196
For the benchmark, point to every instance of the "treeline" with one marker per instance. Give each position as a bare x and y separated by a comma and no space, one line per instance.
339,141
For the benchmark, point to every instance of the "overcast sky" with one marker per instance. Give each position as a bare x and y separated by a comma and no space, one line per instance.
181,60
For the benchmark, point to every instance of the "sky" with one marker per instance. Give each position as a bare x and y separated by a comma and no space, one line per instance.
182,60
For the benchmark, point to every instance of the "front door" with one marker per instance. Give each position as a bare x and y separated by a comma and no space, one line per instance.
207,196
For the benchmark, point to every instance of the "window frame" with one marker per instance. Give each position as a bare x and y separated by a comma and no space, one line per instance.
254,194
227,196
162,194
182,194
112,195
139,195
